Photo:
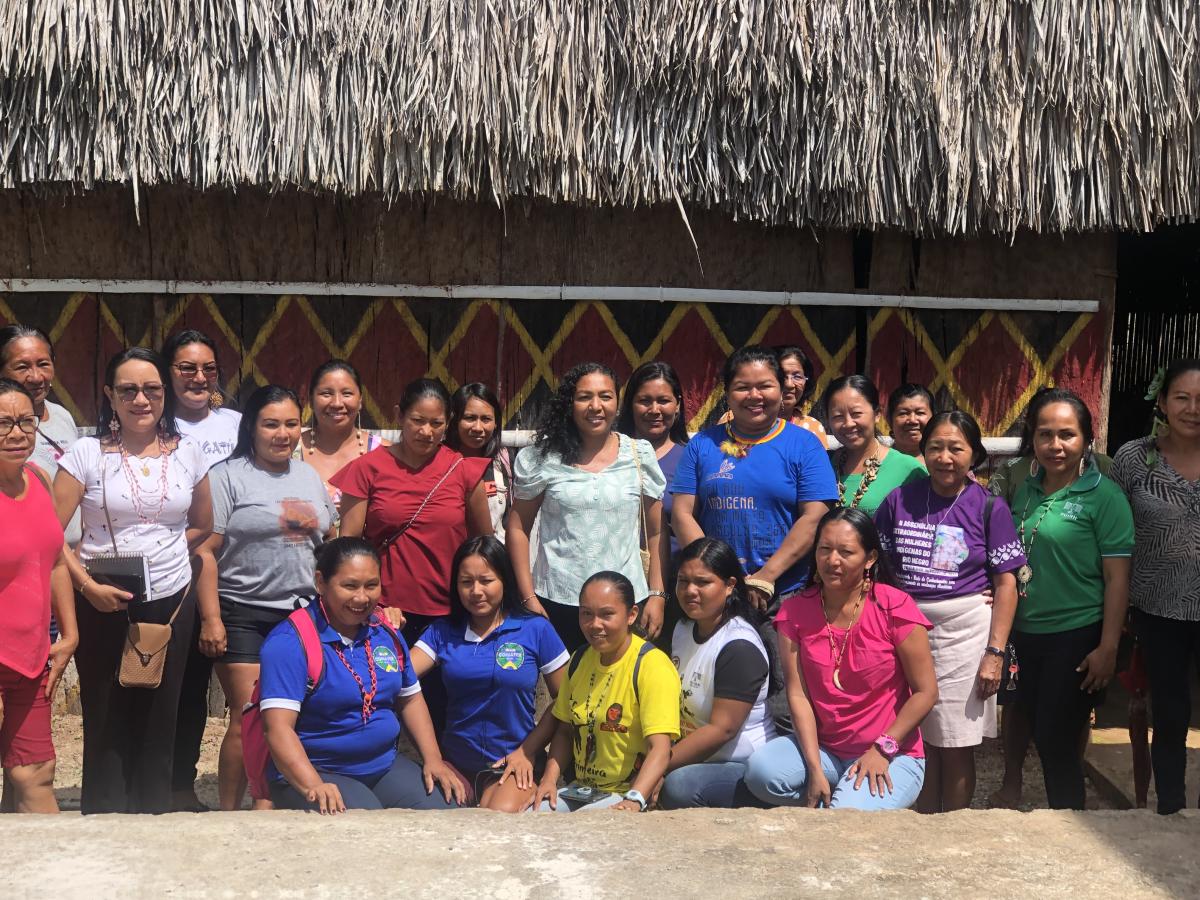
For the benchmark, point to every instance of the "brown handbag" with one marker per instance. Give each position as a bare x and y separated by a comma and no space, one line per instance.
145,653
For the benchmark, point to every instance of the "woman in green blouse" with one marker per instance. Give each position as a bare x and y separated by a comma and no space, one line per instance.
867,470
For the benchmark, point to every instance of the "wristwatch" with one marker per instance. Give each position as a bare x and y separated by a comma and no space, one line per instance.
636,797
888,746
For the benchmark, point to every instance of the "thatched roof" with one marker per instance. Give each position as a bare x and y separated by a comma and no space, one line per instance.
930,115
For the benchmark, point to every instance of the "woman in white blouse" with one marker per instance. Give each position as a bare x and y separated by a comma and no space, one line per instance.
591,489
141,475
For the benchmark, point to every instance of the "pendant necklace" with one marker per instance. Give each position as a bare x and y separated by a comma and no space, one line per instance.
834,652
870,470
1025,573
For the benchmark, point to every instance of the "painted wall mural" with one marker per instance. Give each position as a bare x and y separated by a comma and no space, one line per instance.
986,362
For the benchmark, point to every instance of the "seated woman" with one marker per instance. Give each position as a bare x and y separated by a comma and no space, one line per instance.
617,712
333,747
491,651
723,662
860,679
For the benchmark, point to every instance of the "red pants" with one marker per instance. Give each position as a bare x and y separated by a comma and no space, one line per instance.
25,732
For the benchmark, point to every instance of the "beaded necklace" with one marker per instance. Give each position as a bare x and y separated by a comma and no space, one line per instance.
311,448
368,697
834,652
738,446
1025,573
871,466
140,502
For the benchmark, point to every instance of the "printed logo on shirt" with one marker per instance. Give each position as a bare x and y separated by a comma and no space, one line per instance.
385,658
510,656
949,548
725,471
612,720
1072,510
297,520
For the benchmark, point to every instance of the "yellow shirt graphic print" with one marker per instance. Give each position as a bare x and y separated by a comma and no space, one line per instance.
611,720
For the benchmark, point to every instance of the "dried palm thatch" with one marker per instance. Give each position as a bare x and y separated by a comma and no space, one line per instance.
949,116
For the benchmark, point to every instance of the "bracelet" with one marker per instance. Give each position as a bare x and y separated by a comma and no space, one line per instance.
650,594
79,589
767,587
994,651
525,602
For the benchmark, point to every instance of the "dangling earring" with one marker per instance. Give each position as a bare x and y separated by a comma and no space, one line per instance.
114,427
216,399
1034,468
162,430
358,432
1082,465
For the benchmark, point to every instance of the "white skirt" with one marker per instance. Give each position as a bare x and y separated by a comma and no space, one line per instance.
959,637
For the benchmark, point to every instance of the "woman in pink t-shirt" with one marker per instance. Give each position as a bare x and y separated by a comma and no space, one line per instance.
860,678
33,574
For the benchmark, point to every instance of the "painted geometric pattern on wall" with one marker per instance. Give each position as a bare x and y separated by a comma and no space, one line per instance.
986,362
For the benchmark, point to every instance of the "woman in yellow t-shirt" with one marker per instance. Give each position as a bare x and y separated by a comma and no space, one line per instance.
617,710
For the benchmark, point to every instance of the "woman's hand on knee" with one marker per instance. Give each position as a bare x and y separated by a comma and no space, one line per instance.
327,797
872,767
447,779
819,791
518,765
547,791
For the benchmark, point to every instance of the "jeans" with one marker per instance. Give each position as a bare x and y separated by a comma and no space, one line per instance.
1048,689
400,787
719,785
1171,649
777,775
128,733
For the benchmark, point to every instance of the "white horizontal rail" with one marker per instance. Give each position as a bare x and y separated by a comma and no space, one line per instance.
537,292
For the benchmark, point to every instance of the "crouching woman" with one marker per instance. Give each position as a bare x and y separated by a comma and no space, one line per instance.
617,711
859,677
333,747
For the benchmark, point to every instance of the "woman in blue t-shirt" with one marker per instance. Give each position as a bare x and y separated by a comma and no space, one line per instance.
491,652
333,747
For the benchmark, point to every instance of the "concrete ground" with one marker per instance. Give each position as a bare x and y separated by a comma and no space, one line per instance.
750,853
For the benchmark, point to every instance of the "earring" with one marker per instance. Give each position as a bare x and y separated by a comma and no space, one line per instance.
215,399
1082,465
114,427
1034,468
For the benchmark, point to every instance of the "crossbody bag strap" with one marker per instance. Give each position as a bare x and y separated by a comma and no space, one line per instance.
407,525
112,535
637,461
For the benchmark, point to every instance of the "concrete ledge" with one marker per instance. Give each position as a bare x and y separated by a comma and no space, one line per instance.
721,854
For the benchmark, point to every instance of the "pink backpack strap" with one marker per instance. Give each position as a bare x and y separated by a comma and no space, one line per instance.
311,642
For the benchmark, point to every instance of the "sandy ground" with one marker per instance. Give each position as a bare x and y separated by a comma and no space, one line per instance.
68,739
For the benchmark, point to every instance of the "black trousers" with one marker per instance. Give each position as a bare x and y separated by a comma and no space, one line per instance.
193,712
1048,687
128,733
1171,649
565,619
433,688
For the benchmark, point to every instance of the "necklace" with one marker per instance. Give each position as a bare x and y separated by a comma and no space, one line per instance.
946,514
1025,573
834,652
311,449
141,502
738,446
589,713
871,466
368,697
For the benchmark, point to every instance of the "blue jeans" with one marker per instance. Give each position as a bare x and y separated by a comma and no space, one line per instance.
719,785
777,775
400,787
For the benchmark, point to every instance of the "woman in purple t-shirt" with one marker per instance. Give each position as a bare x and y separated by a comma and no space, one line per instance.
951,541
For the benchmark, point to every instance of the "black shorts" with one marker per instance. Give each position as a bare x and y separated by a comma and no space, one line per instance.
246,627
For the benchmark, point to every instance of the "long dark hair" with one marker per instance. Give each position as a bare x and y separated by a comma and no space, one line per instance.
882,572
965,423
264,396
192,336
166,423
722,560
330,365
557,432
16,332
476,390
492,552
652,371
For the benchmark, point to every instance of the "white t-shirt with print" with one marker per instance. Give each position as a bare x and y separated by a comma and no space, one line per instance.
162,536
216,433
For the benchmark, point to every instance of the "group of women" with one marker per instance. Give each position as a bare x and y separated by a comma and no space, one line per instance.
739,617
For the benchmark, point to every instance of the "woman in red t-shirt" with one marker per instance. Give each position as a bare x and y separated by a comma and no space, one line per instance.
33,574
416,501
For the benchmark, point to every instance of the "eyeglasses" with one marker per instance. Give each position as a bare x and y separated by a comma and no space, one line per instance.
129,392
796,377
190,370
28,424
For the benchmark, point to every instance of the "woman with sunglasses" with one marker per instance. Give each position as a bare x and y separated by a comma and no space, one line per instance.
200,414
141,475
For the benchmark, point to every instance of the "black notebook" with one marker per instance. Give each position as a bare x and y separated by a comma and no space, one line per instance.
128,571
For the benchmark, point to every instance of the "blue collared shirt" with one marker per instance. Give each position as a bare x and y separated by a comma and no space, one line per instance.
330,723
490,683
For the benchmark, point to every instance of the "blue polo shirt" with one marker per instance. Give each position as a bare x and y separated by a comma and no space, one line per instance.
330,723
490,683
